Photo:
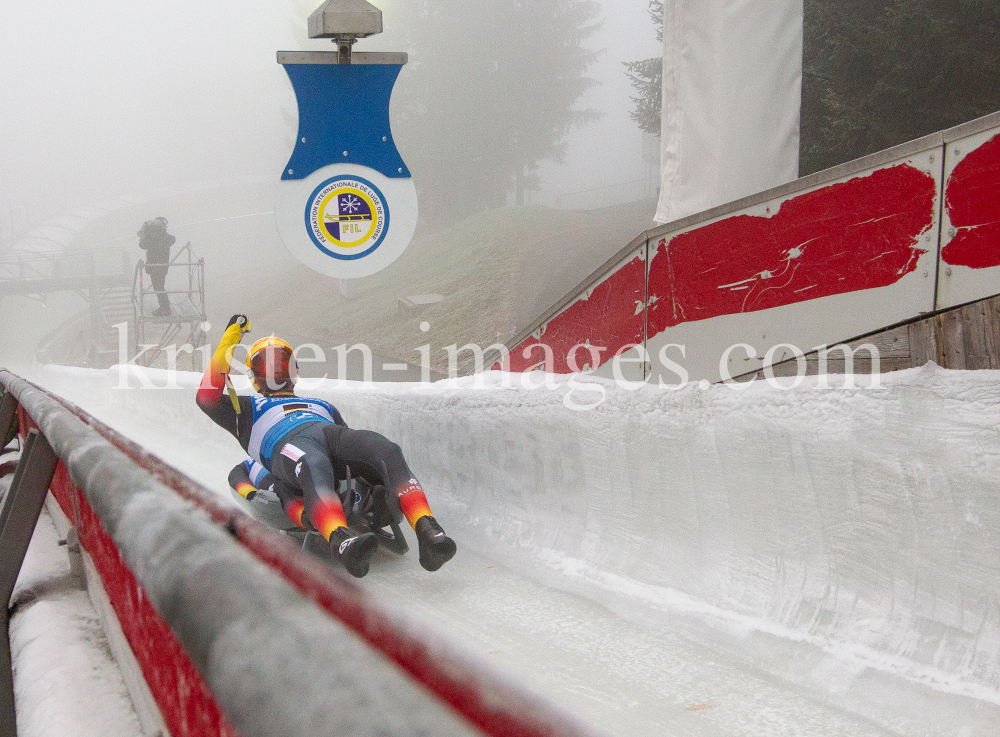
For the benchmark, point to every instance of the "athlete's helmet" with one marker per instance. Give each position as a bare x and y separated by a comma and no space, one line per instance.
271,366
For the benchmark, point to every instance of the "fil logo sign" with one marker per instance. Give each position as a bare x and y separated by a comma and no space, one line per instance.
347,217
347,206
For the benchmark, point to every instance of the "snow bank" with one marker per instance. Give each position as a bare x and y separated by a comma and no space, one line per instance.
865,521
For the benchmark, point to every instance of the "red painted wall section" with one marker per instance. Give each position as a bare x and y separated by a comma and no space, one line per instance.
610,319
188,706
860,234
972,197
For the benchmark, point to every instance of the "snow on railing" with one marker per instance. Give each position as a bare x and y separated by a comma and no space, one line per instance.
236,630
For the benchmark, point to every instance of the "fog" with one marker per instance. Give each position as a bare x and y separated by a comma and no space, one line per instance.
113,98
130,110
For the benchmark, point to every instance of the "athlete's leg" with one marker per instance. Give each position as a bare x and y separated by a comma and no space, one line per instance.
290,497
378,459
301,461
158,275
292,502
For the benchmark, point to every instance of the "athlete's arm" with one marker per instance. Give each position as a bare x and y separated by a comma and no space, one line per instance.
249,477
337,418
211,397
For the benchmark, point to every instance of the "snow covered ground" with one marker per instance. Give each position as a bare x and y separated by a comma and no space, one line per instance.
819,561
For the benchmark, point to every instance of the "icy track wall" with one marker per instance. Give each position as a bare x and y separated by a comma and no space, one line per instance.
865,522
238,632
829,257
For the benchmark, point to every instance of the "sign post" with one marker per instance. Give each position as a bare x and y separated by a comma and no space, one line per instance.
346,205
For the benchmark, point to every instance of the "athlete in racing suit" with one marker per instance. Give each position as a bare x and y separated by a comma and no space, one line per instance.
306,445
249,477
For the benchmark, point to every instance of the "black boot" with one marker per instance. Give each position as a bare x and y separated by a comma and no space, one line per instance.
353,551
436,548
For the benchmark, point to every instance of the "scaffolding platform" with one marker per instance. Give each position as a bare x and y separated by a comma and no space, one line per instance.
187,321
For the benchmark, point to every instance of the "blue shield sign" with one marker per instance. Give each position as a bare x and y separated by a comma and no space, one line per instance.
346,205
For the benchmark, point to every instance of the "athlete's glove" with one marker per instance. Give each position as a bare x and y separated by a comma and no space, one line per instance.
250,495
242,320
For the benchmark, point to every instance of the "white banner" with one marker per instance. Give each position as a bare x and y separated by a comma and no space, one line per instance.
732,89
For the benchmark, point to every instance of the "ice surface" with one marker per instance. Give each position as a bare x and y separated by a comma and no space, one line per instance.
243,626
818,561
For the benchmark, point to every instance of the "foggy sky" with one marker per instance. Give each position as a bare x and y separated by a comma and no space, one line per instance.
125,97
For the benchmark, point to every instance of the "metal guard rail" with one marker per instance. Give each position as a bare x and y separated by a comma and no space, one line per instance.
55,264
161,541
847,169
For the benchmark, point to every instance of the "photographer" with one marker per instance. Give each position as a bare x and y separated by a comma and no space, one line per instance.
156,242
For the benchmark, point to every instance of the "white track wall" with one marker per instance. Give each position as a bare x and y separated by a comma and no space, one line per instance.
864,522
846,517
825,259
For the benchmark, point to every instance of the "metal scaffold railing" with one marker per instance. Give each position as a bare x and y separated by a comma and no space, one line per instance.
163,316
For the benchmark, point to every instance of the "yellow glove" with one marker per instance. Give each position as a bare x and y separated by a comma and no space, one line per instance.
227,344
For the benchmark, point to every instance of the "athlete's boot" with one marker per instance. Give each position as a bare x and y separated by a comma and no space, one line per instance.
436,548
353,551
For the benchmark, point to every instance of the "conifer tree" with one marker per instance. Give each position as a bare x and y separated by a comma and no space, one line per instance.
492,93
647,79
877,73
